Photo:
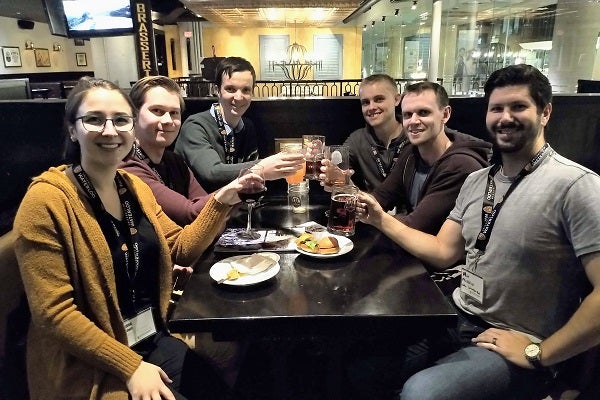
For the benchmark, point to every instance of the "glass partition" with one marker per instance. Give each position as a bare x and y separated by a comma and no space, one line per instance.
561,38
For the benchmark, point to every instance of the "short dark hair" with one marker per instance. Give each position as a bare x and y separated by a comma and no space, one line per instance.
521,74
229,65
142,86
419,87
72,150
375,78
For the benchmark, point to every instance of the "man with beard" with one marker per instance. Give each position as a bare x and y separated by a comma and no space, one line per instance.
530,228
218,143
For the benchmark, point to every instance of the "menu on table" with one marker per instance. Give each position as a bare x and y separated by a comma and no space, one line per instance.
282,239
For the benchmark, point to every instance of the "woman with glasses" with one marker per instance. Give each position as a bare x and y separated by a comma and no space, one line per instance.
96,252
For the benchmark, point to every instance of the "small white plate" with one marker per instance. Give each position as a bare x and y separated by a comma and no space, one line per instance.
346,246
219,271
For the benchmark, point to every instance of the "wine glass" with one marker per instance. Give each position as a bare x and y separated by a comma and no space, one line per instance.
251,192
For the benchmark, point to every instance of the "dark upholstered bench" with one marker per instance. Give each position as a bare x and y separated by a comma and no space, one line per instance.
55,89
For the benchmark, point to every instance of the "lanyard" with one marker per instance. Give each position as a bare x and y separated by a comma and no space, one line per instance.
489,211
131,253
228,139
140,154
379,162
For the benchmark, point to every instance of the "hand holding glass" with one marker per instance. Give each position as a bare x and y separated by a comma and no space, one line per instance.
342,212
253,189
298,176
314,145
339,165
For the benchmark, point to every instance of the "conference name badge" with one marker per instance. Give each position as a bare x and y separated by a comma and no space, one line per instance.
472,285
140,327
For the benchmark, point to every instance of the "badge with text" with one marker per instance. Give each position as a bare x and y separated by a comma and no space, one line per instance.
472,285
140,327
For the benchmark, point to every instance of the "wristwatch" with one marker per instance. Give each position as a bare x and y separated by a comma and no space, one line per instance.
533,354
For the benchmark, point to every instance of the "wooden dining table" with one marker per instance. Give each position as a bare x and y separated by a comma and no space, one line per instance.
375,290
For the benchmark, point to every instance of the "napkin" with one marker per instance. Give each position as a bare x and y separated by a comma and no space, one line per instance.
253,264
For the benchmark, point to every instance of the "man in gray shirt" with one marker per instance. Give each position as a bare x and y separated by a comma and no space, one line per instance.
530,228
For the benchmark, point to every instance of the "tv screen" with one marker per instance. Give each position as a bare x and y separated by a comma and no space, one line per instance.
56,17
90,18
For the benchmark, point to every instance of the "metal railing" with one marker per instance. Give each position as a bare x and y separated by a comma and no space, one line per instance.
194,87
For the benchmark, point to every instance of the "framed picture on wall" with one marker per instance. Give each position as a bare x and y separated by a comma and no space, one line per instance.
81,59
11,56
42,57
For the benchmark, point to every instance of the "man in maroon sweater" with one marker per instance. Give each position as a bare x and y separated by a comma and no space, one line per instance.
160,105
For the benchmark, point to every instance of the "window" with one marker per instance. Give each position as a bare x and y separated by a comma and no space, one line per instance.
330,51
272,47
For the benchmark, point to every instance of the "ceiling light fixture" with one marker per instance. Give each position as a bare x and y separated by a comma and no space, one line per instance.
414,6
298,63
372,23
397,12
383,19
29,45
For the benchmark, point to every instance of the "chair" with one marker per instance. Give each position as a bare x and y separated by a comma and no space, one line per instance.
15,89
12,343
579,380
12,287
588,86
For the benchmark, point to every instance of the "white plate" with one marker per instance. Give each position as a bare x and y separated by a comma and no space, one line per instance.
346,246
219,271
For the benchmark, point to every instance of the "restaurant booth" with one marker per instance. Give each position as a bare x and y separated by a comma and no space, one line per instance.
32,132
32,137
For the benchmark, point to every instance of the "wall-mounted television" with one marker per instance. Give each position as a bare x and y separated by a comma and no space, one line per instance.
56,17
92,18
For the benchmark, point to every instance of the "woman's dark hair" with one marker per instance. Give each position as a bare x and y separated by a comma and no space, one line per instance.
72,151
141,87
230,65
539,86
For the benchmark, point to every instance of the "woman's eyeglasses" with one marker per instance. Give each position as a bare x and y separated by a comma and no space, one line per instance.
97,123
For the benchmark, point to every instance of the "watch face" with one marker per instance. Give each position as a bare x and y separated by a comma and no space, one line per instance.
532,350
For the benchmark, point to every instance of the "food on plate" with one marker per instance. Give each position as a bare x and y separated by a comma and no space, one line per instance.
233,274
328,245
325,245
304,237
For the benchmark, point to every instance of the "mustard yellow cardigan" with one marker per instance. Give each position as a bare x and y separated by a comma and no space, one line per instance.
76,346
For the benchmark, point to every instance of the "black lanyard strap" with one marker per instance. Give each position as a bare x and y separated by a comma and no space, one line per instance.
379,162
228,139
141,155
129,245
489,211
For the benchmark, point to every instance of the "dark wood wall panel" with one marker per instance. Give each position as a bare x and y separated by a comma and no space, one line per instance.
32,133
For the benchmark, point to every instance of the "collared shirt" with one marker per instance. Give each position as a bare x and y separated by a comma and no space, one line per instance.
228,128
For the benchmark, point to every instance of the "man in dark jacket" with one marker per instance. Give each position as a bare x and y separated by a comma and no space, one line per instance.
429,173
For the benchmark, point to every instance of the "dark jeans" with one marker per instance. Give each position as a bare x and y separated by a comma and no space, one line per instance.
192,376
445,365
470,372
